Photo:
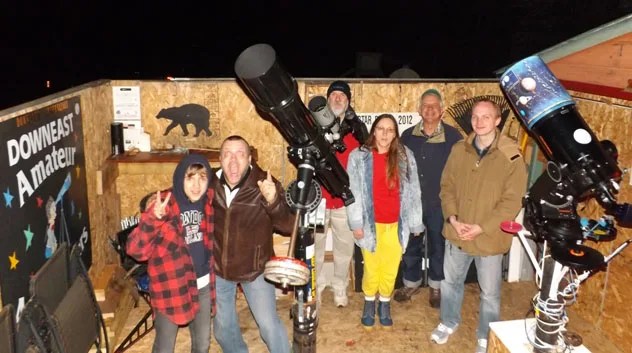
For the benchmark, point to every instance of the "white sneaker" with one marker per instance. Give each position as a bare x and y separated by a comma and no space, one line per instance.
340,298
441,334
481,346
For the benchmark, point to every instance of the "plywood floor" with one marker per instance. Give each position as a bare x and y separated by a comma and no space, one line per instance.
340,330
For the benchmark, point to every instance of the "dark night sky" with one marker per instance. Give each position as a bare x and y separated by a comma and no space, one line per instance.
72,42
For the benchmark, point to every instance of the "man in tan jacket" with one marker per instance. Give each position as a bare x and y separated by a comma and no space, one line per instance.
482,185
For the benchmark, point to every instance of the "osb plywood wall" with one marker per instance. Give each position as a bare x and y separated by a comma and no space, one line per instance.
604,297
103,197
232,112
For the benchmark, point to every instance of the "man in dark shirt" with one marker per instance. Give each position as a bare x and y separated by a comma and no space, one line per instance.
431,141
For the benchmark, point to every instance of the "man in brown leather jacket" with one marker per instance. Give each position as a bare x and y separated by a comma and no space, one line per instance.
249,206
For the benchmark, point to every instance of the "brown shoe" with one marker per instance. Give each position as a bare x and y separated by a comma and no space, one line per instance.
405,293
435,298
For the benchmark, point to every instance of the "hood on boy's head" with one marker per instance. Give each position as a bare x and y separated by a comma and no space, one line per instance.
178,175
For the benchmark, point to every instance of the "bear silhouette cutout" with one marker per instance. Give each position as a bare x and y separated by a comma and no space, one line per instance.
186,114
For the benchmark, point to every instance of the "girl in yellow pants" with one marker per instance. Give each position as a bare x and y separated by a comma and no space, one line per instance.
387,210
380,267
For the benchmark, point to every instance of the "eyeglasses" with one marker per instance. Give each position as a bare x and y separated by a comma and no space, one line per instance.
385,130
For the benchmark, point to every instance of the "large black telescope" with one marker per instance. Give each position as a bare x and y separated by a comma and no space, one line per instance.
275,94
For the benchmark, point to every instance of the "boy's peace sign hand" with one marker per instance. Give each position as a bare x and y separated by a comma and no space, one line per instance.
160,207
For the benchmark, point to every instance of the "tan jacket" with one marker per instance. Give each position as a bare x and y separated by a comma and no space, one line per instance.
483,191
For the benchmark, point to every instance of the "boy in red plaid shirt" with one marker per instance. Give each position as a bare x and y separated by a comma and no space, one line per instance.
174,236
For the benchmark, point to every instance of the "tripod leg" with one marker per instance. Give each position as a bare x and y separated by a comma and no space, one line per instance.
305,309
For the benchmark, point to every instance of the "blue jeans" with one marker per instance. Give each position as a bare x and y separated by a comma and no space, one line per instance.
413,257
489,274
199,328
262,302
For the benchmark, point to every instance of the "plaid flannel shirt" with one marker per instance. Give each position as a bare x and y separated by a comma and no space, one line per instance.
172,279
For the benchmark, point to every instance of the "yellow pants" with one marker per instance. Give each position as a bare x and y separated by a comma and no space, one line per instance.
380,267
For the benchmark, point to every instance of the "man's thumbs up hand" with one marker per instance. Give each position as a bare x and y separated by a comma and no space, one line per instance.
267,188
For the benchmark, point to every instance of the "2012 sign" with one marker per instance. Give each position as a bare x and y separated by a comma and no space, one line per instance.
404,120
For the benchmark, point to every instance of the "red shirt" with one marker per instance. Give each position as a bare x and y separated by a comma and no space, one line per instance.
343,158
385,200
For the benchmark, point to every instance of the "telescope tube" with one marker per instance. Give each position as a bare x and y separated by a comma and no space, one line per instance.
550,115
274,92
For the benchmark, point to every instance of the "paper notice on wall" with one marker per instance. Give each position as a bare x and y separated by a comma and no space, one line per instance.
134,137
126,100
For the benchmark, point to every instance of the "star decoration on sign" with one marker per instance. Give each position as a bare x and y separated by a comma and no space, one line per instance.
7,198
29,236
40,201
13,259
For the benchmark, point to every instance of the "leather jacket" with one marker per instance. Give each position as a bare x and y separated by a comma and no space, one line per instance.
243,231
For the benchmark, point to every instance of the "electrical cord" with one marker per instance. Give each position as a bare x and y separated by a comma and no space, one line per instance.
554,310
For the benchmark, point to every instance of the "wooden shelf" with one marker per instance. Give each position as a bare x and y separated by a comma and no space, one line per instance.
158,162
161,156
